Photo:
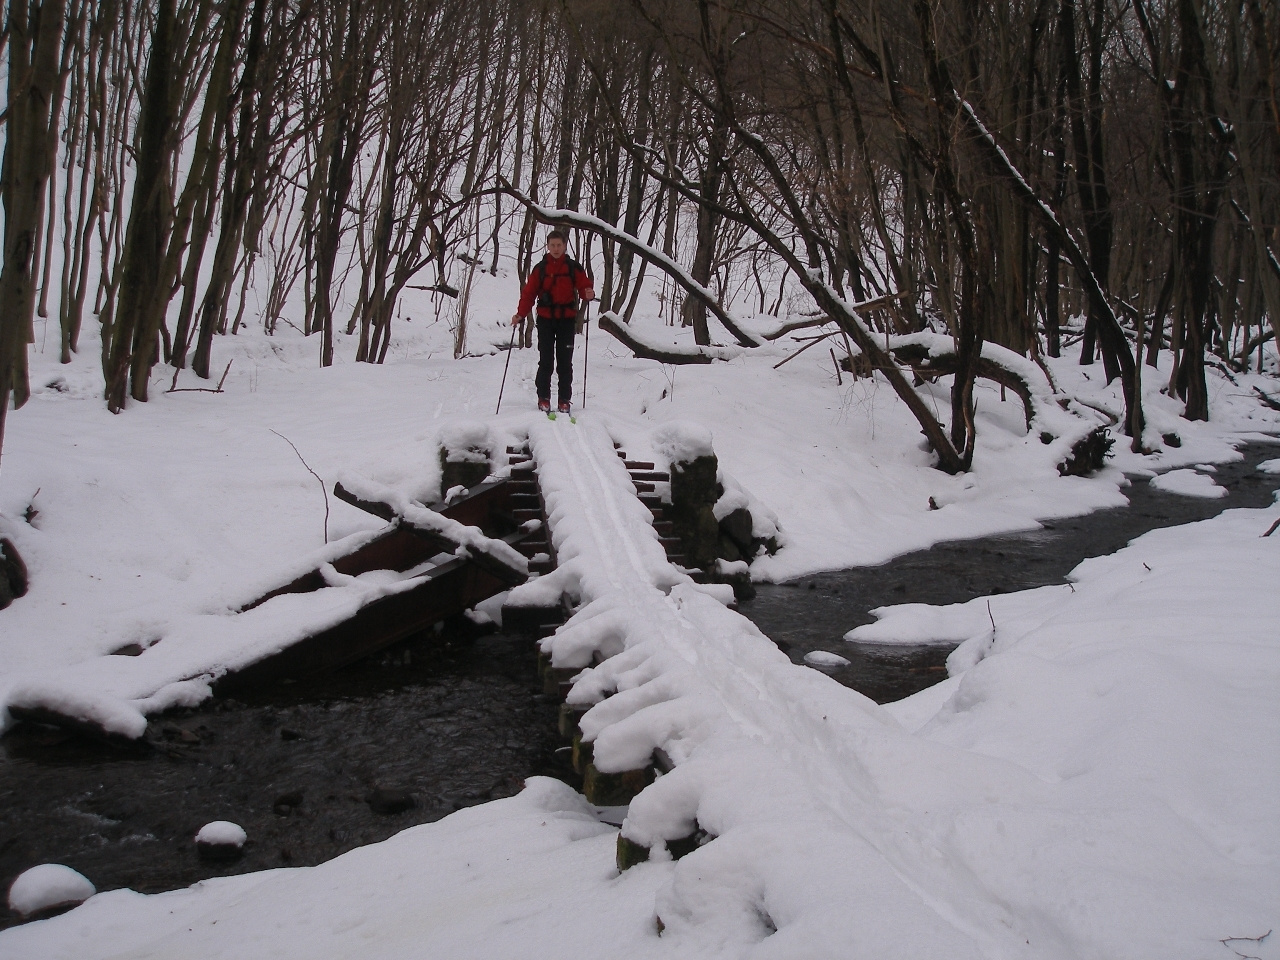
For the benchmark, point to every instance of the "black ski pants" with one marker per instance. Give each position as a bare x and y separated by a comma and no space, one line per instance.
555,346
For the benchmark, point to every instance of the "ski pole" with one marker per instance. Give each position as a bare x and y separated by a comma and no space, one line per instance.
586,351
510,347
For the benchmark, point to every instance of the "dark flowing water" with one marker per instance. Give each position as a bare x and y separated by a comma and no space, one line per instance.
451,719
815,612
455,719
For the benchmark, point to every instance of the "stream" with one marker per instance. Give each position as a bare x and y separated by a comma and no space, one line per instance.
450,719
814,613
455,717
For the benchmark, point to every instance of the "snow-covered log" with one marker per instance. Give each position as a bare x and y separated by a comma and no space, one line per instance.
1085,445
669,352
934,355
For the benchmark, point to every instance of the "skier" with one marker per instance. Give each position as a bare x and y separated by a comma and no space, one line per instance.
556,284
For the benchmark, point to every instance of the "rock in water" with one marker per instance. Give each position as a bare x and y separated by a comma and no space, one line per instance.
739,526
47,889
286,803
387,802
221,841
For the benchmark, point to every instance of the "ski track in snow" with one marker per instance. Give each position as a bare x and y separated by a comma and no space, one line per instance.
746,707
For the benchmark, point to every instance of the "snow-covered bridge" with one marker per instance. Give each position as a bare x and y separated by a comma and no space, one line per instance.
767,765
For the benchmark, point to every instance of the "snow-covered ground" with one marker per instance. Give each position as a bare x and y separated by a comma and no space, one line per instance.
1096,779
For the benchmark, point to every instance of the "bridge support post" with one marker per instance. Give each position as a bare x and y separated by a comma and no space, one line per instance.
614,789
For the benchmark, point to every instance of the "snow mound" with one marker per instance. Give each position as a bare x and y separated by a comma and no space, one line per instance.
1269,466
680,441
1188,483
47,886
823,658
469,440
764,522
96,708
222,833
924,623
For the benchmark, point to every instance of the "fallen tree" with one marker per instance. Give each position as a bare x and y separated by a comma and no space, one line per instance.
931,355
926,354
647,349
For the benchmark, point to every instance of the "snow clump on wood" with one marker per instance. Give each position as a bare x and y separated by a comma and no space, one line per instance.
467,440
682,440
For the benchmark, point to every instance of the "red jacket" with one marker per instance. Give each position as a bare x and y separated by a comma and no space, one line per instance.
552,285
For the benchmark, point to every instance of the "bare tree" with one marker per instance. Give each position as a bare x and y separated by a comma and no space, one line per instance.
35,40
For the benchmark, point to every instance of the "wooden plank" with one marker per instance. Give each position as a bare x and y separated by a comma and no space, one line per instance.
393,549
376,507
450,589
482,506
476,506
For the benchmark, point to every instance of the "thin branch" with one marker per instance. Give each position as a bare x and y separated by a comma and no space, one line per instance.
813,342
323,491
1227,941
174,388
1269,400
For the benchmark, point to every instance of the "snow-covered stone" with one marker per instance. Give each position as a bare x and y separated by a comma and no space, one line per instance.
824,658
221,841
48,887
222,833
1188,483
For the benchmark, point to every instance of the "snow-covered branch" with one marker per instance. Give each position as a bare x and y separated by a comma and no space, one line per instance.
789,326
659,259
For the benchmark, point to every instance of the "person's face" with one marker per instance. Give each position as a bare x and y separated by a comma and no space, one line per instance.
555,247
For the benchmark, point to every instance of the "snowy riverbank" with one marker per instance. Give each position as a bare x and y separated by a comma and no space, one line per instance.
1100,782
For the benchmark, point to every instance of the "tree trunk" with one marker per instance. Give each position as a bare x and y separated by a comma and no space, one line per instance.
129,335
35,38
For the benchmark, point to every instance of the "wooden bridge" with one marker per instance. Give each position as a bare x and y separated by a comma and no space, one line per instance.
440,559
453,576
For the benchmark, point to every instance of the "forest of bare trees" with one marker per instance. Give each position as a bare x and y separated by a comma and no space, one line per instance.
988,171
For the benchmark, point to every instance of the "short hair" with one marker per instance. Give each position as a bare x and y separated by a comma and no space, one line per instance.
558,234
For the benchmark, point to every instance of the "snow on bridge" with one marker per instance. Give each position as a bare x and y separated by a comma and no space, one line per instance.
775,769
817,824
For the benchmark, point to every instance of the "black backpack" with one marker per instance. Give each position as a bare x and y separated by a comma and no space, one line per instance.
551,293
